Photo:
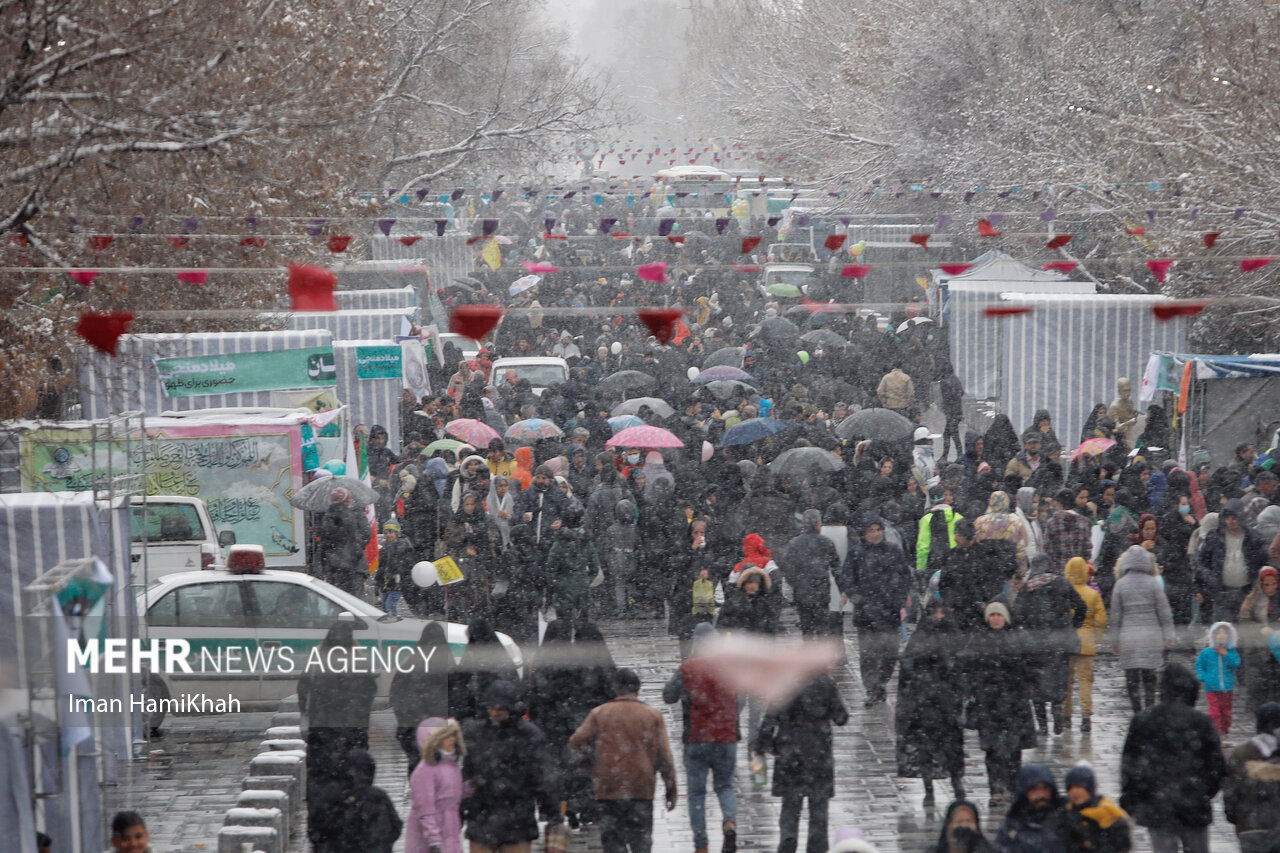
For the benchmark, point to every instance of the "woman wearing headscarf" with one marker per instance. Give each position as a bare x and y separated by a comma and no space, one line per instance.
1259,622
471,540
928,720
1025,512
962,831
1143,624
1042,422
999,523
462,480
1000,442
1177,523
500,507
420,688
1120,525
523,473
1090,428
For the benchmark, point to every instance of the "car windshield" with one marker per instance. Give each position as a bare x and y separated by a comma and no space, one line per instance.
163,522
796,277
540,375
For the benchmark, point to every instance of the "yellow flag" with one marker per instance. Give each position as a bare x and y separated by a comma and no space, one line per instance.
924,284
447,570
492,254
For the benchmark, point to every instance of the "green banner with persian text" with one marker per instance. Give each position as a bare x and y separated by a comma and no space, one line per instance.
247,371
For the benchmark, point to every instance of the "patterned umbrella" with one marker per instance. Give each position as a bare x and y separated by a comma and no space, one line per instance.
621,422
473,432
1091,447
723,371
441,444
314,496
530,430
644,436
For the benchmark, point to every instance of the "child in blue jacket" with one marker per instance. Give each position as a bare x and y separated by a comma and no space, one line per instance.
1216,668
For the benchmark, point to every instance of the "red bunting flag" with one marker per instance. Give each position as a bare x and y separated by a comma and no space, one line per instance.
1251,264
19,239
1136,231
1059,241
338,243
921,240
674,240
555,237
1160,269
955,269
253,242
539,268
661,322
178,242
311,288
102,331
1210,238
99,243
856,270
193,276
986,229
1165,311
746,268
1061,266
84,277
474,321
834,242
408,241
749,243
653,272
1006,310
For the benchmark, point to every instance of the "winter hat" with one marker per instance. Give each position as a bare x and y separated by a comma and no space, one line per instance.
544,468
502,695
1235,506
964,527
1081,776
1269,718
1268,572
997,607
390,526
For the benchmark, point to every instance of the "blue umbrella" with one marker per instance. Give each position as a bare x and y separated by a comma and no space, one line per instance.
752,430
621,422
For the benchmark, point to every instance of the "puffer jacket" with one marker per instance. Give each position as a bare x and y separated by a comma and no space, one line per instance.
1095,618
1217,673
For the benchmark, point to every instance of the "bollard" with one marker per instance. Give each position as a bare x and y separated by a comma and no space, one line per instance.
285,784
269,799
284,732
286,718
232,839
283,744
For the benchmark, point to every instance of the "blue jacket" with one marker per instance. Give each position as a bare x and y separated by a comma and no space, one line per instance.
1218,672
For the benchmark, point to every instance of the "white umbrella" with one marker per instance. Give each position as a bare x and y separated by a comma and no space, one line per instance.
914,321
523,283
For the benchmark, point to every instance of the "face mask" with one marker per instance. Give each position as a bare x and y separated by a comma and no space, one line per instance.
1184,510
633,458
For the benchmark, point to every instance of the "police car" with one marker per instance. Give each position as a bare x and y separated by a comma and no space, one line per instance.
251,632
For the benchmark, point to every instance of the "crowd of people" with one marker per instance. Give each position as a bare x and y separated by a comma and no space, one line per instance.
987,572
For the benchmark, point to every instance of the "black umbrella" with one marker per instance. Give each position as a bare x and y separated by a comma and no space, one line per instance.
627,381
777,330
723,389
879,424
825,337
730,356
802,461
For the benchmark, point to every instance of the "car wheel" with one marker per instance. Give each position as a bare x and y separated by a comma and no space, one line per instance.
154,689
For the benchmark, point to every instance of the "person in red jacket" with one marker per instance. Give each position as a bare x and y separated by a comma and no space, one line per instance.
710,736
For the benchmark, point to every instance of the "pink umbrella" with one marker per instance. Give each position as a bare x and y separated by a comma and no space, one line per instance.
473,432
644,436
1091,447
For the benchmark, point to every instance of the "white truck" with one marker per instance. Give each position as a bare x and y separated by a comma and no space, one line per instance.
173,533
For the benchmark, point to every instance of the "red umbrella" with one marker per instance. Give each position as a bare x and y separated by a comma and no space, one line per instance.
644,436
473,432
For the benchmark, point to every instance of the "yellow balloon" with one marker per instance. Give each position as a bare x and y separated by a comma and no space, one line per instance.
857,249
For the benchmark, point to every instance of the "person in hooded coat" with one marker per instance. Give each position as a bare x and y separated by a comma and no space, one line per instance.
1000,680
750,607
1000,523
1259,626
509,772
1094,823
1172,766
799,736
1142,622
974,453
660,529
436,790
1080,669
808,562
1036,822
472,541
974,574
928,724
1251,788
421,688
1049,611
351,814
343,532
336,704
571,567
483,662
961,831
515,612
1176,522
542,506
876,578
1000,442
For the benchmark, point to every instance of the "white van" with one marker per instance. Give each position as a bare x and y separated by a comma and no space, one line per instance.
540,371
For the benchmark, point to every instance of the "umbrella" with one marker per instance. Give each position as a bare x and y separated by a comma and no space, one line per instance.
912,323
439,444
532,429
723,371
523,283
731,356
783,289
723,389
778,330
659,406
621,422
825,337
644,436
473,432
752,430
881,424
626,381
466,279
799,461
314,496
1091,447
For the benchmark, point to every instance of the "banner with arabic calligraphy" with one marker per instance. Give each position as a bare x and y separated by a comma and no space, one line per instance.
276,370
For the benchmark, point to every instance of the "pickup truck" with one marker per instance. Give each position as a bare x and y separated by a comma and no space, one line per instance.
173,533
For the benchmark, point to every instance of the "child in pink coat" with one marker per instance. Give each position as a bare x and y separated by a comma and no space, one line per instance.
437,789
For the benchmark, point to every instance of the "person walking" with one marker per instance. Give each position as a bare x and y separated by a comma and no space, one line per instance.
351,814
961,831
508,772
799,736
1216,667
928,723
1251,789
1142,622
1095,824
1000,680
420,689
434,824
629,741
808,562
876,578
1080,666
1172,766
343,532
572,566
710,736
1049,611
1036,822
